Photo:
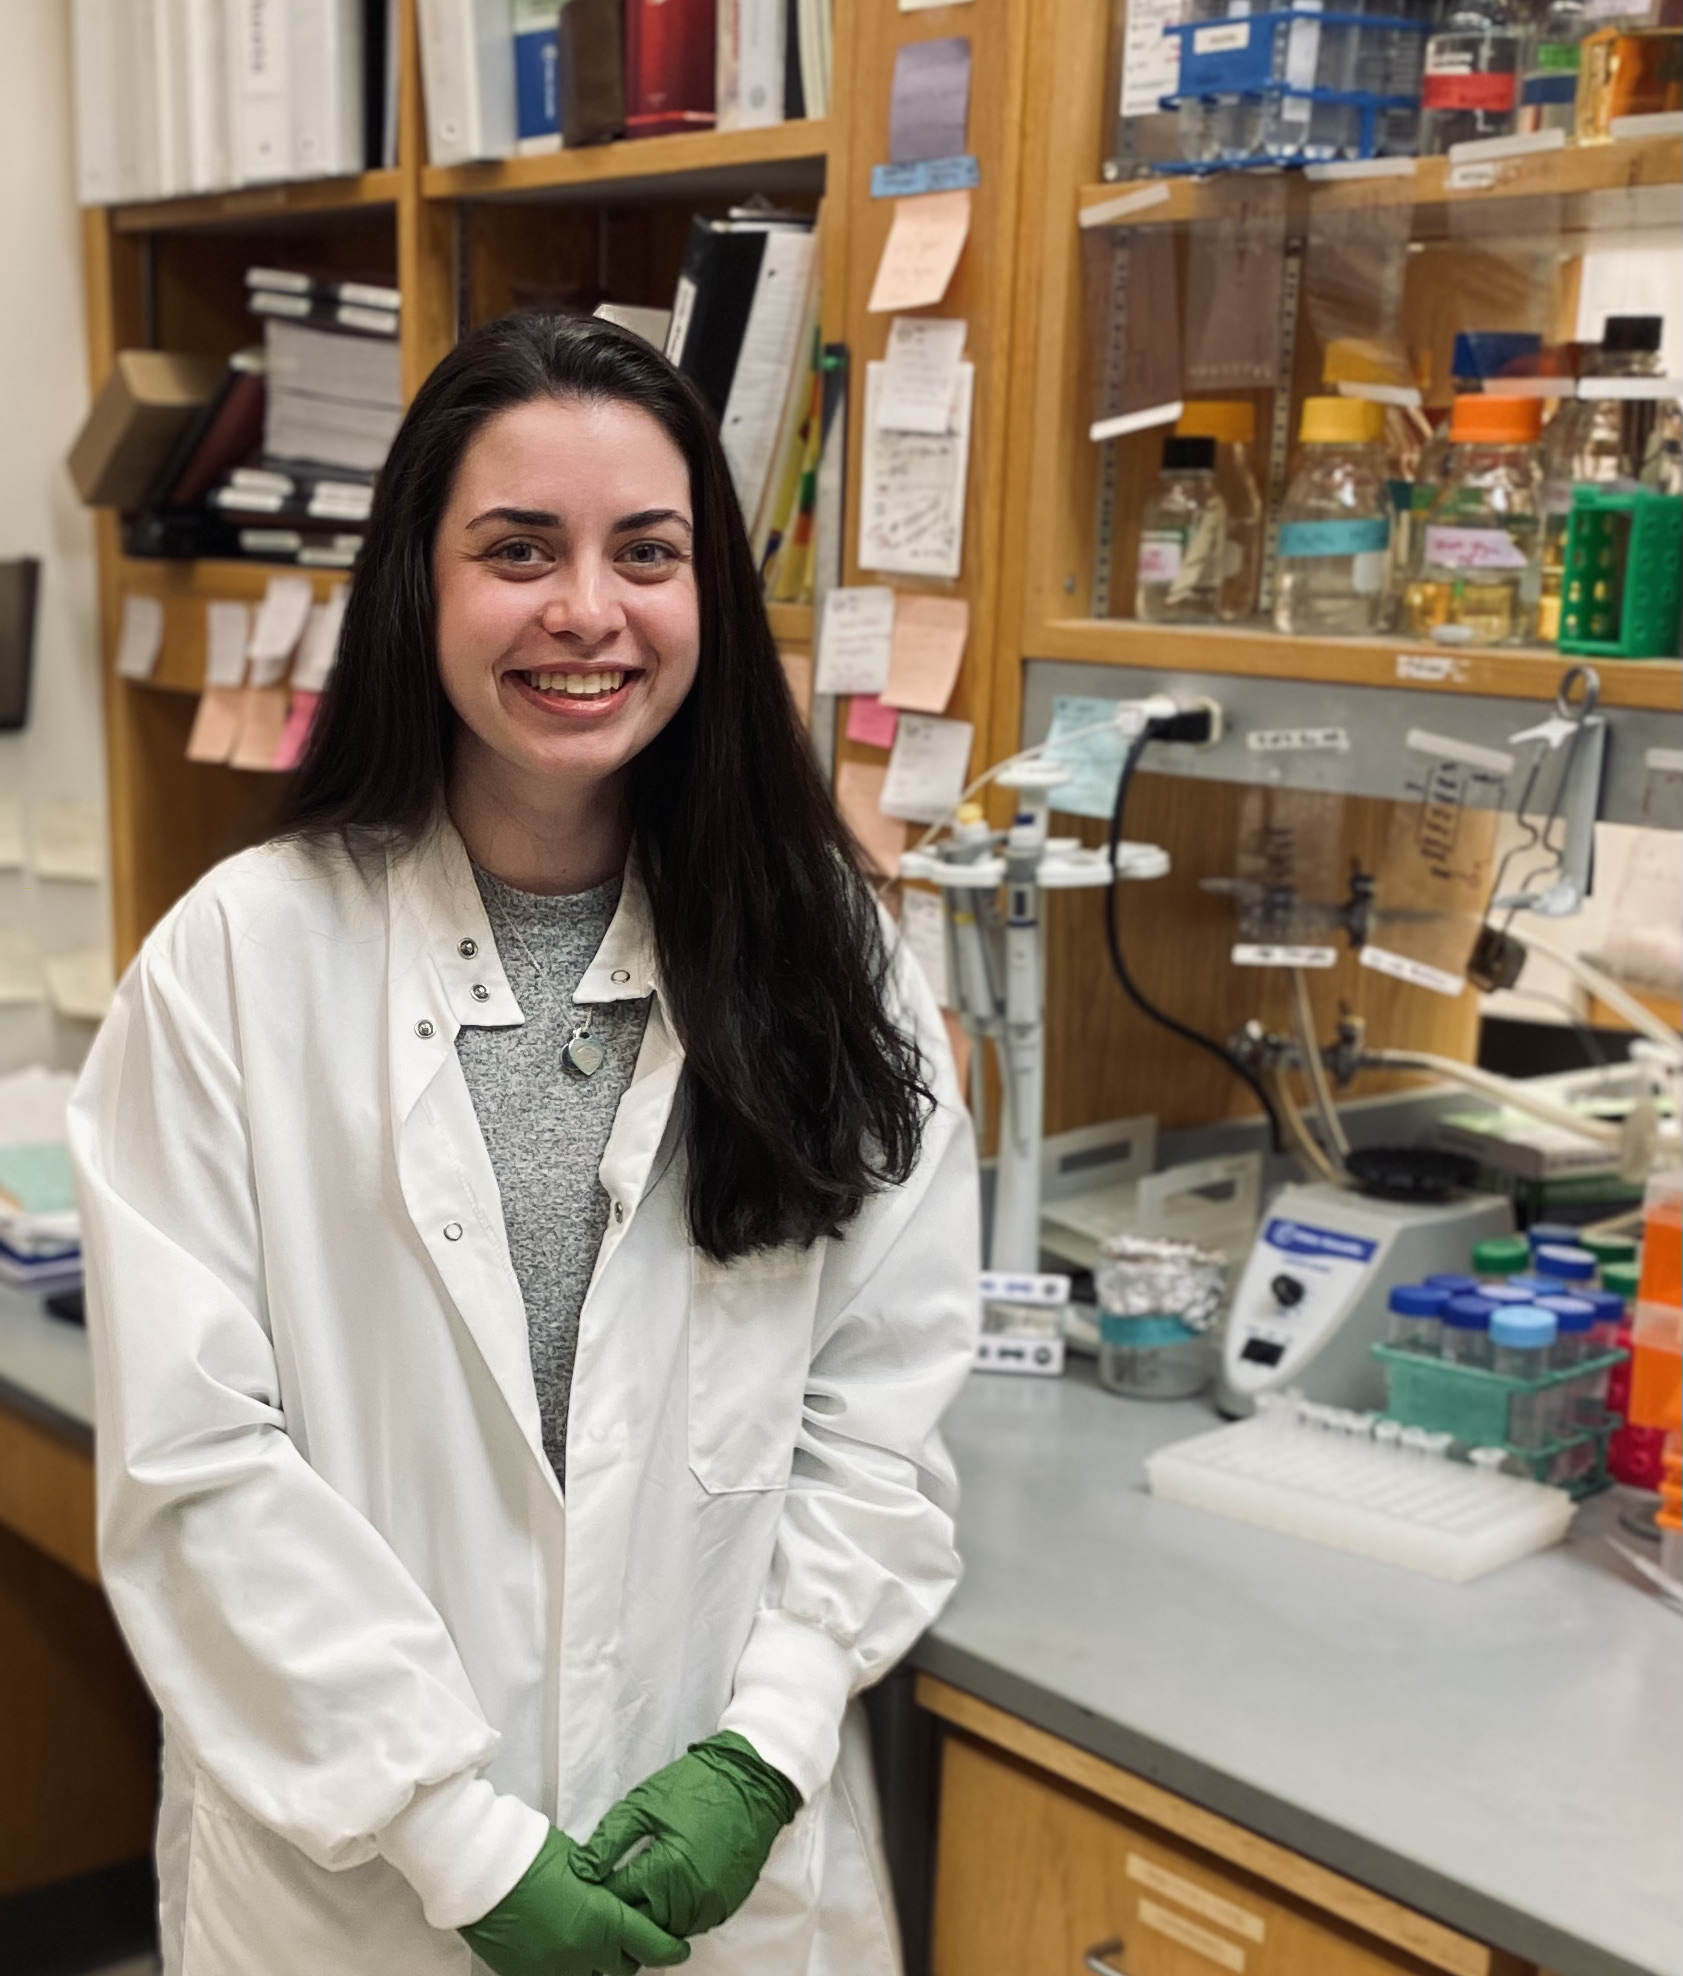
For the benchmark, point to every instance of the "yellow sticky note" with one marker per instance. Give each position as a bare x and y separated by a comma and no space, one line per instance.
858,797
216,726
263,712
79,983
928,649
924,242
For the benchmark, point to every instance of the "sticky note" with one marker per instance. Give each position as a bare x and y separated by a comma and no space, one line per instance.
68,841
868,720
141,638
929,107
227,633
924,241
927,768
920,373
923,928
279,625
80,984
928,649
262,715
318,648
855,634
11,833
20,967
858,796
295,735
216,726
912,488
797,672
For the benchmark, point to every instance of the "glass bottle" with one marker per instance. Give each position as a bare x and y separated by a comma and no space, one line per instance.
1470,84
1522,1341
1388,63
1231,423
1481,562
1628,67
1183,539
1335,524
1363,368
1548,92
1614,433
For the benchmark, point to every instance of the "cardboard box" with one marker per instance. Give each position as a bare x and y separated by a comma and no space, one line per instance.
146,404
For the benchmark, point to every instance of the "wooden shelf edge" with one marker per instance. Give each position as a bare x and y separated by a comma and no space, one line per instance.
599,167
791,624
1613,167
1652,684
257,203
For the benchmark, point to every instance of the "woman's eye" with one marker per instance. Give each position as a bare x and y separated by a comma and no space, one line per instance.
651,555
518,555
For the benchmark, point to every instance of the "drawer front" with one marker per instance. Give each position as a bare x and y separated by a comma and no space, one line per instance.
1034,1881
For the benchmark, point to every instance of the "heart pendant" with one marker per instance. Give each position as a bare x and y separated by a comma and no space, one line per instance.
583,1054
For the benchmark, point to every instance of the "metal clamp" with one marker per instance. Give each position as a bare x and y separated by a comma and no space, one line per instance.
1097,1958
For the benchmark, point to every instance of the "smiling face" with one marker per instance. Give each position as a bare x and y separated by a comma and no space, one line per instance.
569,624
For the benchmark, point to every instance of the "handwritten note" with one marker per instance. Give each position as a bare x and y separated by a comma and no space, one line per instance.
924,242
281,618
227,634
923,928
869,721
929,108
859,787
926,770
68,841
216,725
920,373
929,635
911,504
318,648
141,638
855,634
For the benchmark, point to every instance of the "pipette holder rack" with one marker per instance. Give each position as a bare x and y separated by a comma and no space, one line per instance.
1475,1405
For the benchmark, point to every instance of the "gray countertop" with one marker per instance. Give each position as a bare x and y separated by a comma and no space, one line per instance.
1505,1756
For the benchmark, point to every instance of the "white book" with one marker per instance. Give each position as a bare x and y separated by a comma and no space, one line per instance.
467,78
137,99
770,349
258,91
325,87
751,61
205,49
168,25
93,28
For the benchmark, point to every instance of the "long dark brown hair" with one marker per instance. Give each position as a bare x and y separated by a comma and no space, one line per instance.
802,1095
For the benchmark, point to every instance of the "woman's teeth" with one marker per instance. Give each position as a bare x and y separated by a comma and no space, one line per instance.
577,685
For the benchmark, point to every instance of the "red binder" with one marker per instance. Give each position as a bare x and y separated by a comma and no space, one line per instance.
670,50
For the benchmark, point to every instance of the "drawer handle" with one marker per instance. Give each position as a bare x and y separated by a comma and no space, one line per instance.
1097,1958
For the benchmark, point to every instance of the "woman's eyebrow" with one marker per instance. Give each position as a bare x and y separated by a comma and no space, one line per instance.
649,517
519,517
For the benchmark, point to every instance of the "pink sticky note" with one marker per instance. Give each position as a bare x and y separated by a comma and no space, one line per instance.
262,718
868,720
289,749
925,239
858,795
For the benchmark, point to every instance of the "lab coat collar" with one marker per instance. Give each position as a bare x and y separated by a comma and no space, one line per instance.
626,967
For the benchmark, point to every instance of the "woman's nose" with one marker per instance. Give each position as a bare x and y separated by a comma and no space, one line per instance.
582,605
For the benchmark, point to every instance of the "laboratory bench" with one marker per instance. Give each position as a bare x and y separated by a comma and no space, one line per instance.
1183,1743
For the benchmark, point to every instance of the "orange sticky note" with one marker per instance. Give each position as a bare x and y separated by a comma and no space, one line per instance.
928,649
797,670
216,726
881,838
922,249
289,749
262,722
868,720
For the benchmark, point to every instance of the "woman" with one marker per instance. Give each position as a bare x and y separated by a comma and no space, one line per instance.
530,1228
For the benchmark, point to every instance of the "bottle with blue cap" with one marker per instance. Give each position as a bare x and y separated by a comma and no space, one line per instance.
1582,1404
1551,1234
1565,1261
1456,1283
1466,1329
1417,1318
1536,1286
1609,1311
1522,1340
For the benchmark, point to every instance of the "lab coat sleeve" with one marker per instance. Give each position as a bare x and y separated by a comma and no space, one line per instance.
865,1559
288,1648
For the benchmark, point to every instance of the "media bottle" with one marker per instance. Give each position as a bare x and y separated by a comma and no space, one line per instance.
1470,85
1335,524
1231,424
1183,539
1481,560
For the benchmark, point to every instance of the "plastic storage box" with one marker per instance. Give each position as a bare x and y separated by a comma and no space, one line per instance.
1623,577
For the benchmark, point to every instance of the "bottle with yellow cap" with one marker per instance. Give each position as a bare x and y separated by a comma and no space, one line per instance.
1481,570
1335,524
1231,423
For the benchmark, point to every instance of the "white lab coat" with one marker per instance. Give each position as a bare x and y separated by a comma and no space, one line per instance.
373,1627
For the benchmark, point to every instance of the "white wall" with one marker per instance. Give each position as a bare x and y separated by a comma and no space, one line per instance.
43,396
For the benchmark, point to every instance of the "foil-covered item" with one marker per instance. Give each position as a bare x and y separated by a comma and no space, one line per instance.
1158,1276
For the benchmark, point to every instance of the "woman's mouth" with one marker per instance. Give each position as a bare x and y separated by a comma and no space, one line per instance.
575,692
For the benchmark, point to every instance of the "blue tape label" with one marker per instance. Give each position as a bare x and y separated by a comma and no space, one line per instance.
1335,538
1297,1238
928,175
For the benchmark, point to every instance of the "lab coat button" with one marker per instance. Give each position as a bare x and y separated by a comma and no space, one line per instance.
452,1231
424,1029
467,949
619,1210
480,992
621,974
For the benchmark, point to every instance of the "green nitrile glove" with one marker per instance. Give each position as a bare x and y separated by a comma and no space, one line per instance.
556,1923
711,1818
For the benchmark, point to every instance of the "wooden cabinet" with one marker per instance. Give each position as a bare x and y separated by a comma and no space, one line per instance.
1051,1862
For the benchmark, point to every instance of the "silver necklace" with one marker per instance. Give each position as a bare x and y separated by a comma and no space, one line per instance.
581,1052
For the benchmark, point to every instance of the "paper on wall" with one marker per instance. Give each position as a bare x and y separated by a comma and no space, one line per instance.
79,983
924,241
855,636
911,500
929,635
923,928
1094,759
11,833
68,842
216,726
227,633
920,373
20,967
797,673
929,103
859,798
1150,58
870,722
295,735
927,768
141,638
318,648
279,625
262,716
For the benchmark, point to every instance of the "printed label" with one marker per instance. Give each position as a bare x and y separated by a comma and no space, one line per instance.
1223,40
1298,1238
1429,668
1346,536
1458,89
1474,548
1212,1907
1258,953
1160,558
1298,741
1178,1929
1556,55
1400,968
1005,1287
1473,177
1451,748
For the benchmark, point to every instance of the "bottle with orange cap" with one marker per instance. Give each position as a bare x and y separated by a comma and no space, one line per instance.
1335,523
1480,574
1231,423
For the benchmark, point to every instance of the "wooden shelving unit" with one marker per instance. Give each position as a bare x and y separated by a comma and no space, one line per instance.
686,163
261,205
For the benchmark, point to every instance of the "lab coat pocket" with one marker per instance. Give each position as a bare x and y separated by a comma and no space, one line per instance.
750,1348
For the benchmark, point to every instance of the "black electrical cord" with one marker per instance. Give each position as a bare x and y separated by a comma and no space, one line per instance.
1113,940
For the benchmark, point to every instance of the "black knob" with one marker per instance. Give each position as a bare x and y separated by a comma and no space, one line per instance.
1288,1292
